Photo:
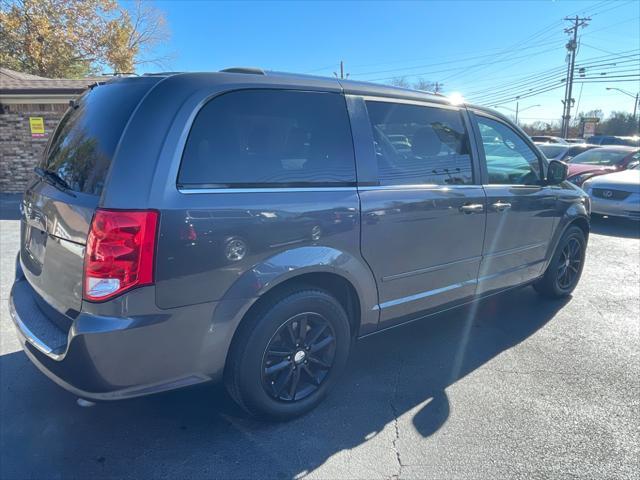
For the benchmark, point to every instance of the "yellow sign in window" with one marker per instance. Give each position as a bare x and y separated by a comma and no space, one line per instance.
37,126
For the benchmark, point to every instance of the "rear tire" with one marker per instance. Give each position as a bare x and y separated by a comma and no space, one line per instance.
288,354
564,270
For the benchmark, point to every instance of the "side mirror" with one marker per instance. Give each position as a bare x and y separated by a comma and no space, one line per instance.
556,172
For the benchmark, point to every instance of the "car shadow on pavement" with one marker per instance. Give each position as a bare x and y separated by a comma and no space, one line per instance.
199,432
615,227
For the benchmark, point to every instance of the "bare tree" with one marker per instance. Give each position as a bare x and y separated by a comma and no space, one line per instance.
400,82
145,29
419,84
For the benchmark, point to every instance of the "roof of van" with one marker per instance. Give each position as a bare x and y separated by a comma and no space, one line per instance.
349,86
250,77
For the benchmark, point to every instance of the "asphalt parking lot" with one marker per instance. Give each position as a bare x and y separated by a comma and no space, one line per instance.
516,387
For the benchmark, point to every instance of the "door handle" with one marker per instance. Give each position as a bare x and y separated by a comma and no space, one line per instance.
501,206
472,208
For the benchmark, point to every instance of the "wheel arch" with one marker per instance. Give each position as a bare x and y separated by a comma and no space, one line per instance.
336,285
340,273
582,223
580,220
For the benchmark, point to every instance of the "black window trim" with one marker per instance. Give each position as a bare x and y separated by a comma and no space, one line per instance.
483,161
191,188
473,151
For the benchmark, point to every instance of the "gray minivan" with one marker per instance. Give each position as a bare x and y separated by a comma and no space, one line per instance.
248,227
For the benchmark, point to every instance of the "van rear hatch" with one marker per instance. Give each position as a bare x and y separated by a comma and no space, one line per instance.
59,203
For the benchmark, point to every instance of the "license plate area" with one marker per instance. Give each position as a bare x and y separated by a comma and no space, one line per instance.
36,244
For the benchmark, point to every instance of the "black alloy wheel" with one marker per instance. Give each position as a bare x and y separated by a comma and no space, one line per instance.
299,357
565,268
569,264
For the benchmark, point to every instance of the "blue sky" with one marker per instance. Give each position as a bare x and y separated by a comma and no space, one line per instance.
482,49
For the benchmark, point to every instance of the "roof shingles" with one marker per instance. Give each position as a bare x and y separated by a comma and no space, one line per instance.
17,82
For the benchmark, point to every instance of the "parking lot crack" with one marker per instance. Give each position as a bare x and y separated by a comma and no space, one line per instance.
396,426
536,372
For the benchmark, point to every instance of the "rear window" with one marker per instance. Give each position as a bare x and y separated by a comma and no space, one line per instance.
83,145
262,138
601,156
419,145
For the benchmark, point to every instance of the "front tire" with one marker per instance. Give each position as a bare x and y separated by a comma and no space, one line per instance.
564,270
288,354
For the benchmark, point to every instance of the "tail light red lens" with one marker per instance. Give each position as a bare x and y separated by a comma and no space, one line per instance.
120,252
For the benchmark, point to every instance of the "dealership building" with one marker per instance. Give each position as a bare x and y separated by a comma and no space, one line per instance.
30,109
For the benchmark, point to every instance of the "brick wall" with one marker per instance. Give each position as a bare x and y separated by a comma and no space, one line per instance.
19,151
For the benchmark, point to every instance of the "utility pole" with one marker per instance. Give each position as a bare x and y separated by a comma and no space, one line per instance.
437,87
342,75
572,46
517,110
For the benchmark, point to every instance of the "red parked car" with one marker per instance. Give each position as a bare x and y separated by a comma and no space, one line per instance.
601,160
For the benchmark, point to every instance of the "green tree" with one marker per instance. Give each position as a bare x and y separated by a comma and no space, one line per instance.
74,38
618,123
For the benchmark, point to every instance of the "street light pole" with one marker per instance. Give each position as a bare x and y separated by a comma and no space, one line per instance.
635,97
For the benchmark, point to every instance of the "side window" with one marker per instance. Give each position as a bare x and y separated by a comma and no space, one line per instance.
510,160
419,145
267,138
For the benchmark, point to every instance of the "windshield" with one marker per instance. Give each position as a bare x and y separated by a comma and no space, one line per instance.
552,151
83,145
600,157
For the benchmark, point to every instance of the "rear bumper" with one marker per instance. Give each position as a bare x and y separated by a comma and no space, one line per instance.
104,357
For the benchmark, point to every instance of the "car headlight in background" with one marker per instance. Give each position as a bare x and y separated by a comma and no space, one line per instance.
586,186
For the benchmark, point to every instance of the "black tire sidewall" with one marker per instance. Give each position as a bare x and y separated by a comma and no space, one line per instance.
249,366
572,232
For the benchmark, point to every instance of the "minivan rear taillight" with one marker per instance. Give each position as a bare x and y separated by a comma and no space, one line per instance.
120,252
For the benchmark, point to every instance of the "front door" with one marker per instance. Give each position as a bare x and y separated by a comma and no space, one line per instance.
521,210
423,222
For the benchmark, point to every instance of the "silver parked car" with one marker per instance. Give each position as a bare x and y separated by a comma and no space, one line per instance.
616,194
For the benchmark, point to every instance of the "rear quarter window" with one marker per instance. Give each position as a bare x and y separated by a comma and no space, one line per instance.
83,145
263,138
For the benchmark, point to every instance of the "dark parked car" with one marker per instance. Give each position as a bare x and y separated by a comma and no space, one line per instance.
248,226
600,161
614,140
555,151
548,139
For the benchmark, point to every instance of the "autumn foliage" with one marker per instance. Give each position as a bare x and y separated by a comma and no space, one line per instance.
74,38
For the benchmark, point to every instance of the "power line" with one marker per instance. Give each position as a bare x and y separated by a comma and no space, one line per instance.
499,100
542,80
462,68
511,96
602,60
448,62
